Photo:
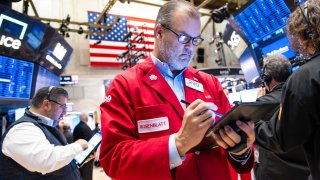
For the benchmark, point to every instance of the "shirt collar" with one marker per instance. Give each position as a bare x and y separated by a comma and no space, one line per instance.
276,86
164,67
44,120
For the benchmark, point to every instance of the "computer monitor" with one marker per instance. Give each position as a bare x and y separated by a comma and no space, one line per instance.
262,18
27,38
55,52
263,23
15,114
45,78
278,43
20,35
15,78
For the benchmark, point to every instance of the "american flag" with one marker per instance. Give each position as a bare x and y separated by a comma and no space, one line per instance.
105,48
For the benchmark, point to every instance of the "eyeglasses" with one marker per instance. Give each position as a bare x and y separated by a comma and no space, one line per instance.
62,106
185,39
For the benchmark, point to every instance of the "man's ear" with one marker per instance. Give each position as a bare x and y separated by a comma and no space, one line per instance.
158,31
45,104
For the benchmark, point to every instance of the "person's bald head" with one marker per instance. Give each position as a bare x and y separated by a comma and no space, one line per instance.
84,117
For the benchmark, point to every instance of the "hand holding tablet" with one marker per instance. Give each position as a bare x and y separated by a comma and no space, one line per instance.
93,144
247,111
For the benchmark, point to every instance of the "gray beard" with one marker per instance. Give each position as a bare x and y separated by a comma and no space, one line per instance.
173,61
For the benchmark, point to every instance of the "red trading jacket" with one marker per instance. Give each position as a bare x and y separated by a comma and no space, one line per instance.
141,93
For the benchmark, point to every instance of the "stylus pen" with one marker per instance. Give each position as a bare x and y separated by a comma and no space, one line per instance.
188,103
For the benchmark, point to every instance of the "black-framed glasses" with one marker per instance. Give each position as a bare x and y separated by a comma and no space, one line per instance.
184,38
62,106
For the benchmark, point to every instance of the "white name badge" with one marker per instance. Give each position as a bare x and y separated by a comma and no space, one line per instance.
194,85
153,125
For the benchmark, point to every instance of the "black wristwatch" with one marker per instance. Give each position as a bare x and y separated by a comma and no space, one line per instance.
243,156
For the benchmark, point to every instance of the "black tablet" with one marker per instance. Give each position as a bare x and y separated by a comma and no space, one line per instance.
92,146
245,111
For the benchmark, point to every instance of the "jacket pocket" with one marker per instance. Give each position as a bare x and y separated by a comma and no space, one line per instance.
153,121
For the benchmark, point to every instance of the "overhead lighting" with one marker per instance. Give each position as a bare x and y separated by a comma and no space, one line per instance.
63,29
127,36
123,54
68,19
218,15
140,40
98,42
219,62
123,1
131,46
80,31
138,57
124,67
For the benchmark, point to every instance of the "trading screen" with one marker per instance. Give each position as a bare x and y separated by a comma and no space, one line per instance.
46,78
263,23
262,18
15,78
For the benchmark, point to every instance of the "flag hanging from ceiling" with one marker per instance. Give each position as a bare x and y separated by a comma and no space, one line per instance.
105,48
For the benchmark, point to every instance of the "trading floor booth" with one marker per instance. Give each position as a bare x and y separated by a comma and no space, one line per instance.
32,55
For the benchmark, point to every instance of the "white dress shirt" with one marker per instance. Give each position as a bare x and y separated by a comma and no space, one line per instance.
26,144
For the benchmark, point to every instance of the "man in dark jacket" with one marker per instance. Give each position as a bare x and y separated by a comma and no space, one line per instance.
298,121
269,165
83,131
32,148
67,132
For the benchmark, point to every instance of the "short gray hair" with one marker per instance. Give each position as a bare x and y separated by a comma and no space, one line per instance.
165,13
278,66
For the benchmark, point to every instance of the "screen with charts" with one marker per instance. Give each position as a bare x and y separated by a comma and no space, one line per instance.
263,23
15,78
276,43
262,18
45,78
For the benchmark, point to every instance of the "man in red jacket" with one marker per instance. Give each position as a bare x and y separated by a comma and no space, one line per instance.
148,133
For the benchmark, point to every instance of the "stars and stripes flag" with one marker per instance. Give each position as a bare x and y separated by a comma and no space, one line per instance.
105,48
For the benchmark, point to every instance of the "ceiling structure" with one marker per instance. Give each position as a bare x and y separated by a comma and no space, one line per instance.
233,5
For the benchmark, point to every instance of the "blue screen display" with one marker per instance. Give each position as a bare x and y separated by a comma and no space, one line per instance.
276,43
301,1
295,68
262,18
280,46
15,78
46,78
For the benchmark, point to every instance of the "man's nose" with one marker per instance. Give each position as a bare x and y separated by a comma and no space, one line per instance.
190,45
64,111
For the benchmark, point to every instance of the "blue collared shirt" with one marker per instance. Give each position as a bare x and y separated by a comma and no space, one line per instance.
44,119
176,84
